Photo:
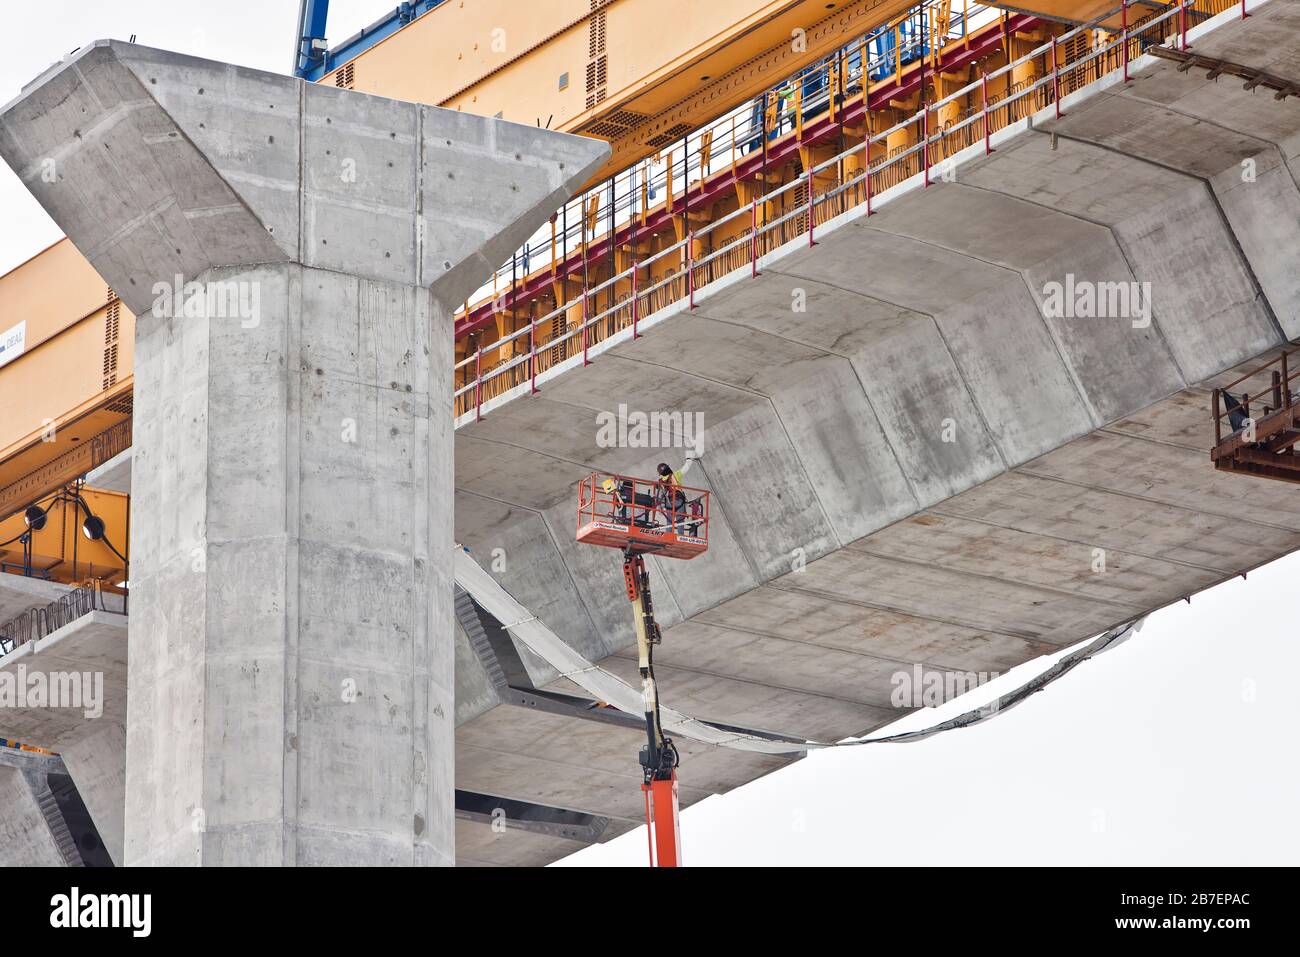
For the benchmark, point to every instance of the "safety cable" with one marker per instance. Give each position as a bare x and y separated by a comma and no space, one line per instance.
609,688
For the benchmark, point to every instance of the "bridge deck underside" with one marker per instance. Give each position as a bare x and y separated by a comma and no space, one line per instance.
919,467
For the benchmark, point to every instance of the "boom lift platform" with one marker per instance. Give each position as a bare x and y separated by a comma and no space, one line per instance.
1262,422
663,518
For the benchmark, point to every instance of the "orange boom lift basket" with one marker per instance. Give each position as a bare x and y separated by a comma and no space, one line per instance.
643,516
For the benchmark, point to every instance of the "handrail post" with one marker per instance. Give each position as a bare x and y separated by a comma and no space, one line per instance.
753,238
1182,25
812,207
1124,34
478,384
690,266
1286,384
925,137
868,170
532,357
1244,14
1218,421
984,86
635,308
585,361
1056,81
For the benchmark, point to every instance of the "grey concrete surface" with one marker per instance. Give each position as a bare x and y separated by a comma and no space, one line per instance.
97,765
26,836
922,468
19,594
114,475
291,649
92,745
851,541
94,645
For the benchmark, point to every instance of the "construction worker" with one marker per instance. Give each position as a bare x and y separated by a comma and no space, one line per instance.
669,488
623,491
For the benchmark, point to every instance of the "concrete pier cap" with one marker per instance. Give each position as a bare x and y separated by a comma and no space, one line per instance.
294,253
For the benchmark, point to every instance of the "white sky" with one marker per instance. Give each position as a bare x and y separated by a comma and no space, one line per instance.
1176,748
255,33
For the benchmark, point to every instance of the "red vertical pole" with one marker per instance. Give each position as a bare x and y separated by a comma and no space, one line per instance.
662,820
649,824
1244,14
812,208
635,306
690,266
753,239
1124,34
925,138
984,86
584,325
1182,24
925,113
1056,82
868,150
532,356
478,384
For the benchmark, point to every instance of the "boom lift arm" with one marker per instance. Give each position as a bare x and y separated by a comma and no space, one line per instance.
659,756
637,516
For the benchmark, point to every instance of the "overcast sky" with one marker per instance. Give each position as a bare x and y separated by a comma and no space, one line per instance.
255,33
1176,748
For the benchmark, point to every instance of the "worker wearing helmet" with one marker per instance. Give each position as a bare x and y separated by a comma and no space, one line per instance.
624,492
669,488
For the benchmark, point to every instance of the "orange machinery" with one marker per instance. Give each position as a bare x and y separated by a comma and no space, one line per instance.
65,388
668,520
75,535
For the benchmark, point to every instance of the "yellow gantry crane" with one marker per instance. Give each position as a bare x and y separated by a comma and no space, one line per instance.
641,74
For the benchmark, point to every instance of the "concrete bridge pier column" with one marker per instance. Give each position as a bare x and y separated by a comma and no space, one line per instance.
293,253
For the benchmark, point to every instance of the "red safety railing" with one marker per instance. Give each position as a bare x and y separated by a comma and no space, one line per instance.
800,207
1276,395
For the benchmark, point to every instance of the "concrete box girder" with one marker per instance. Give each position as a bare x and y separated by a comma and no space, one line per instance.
888,546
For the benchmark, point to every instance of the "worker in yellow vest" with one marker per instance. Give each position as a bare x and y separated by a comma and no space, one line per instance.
670,494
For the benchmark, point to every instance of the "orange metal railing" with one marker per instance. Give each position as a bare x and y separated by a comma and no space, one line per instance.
794,210
1276,393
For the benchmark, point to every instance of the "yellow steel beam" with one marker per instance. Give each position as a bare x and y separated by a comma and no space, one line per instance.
637,73
60,550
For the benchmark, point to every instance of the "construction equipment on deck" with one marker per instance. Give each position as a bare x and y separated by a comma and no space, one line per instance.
669,520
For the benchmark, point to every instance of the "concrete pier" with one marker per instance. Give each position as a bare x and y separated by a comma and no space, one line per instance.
293,253
924,466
